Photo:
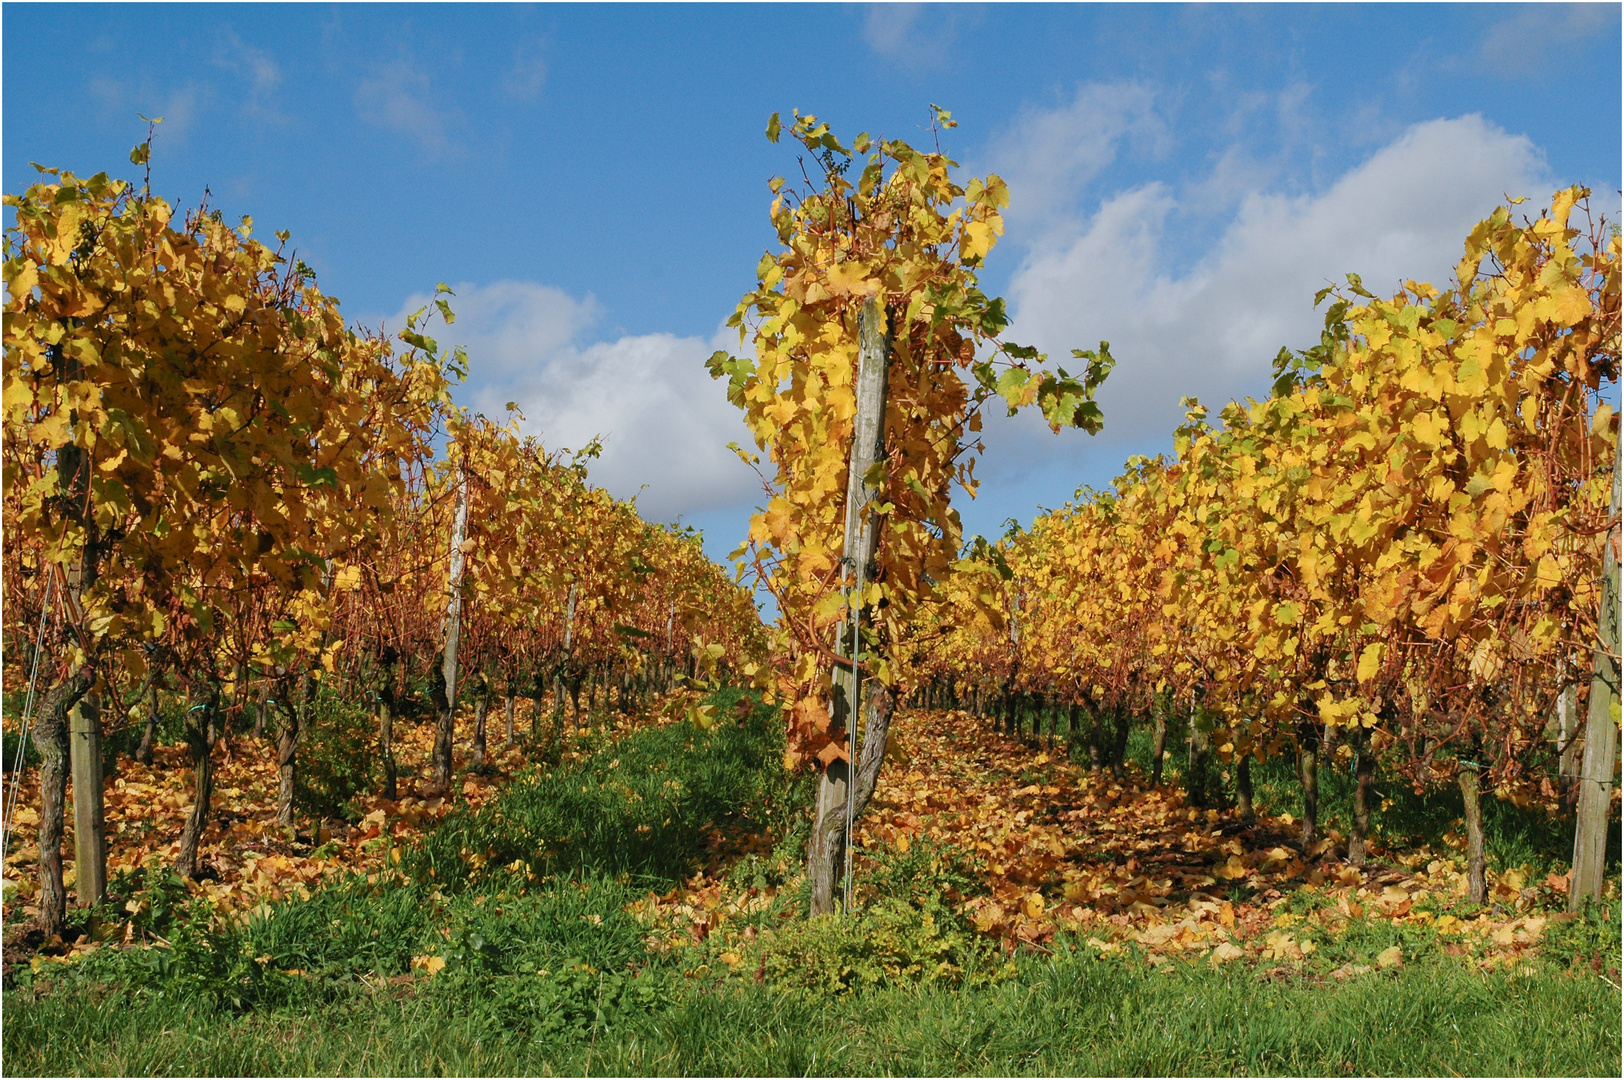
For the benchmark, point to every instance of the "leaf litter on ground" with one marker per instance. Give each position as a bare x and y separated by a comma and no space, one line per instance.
1109,863
1060,850
246,859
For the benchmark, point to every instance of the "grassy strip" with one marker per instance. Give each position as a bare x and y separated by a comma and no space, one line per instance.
521,903
1071,1015
542,969
647,805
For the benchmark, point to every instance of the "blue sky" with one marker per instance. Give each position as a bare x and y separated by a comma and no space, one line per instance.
592,180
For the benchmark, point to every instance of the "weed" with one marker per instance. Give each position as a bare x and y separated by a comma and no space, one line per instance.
156,897
888,943
336,757
930,870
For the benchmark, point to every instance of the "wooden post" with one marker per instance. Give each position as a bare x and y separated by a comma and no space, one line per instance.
558,682
507,710
1158,746
52,727
386,743
1601,732
453,636
149,727
670,647
538,689
1198,770
1364,774
259,713
89,821
839,800
482,706
1119,749
1569,744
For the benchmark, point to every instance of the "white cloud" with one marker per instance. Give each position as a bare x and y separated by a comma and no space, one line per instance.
396,95
1209,322
1182,320
916,35
124,102
664,422
888,27
1525,42
525,78
259,73
1050,155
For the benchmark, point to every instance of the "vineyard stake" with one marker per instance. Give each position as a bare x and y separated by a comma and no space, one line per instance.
1601,731
453,634
862,528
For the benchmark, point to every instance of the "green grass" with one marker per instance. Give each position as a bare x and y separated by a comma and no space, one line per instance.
546,971
1072,1015
646,805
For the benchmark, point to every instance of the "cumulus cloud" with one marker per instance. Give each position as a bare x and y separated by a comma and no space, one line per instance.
665,424
1208,322
1183,317
1048,156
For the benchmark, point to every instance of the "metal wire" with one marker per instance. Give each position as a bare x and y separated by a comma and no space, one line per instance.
14,789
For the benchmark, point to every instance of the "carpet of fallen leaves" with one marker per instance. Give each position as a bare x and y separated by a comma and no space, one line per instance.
1058,847
246,858
1113,861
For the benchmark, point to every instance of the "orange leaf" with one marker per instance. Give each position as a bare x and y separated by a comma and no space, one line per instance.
832,752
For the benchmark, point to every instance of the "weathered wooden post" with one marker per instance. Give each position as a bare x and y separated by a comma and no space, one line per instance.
446,726
89,821
1601,731
558,680
840,800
